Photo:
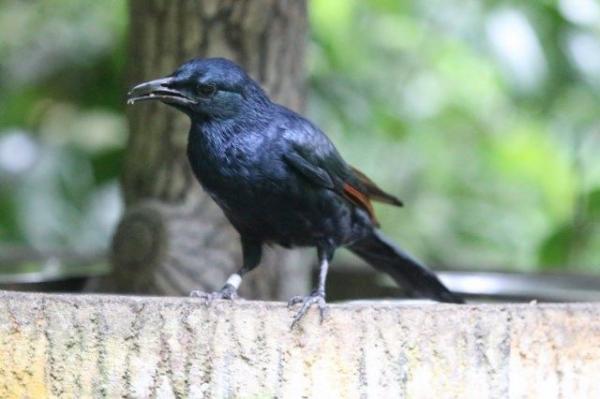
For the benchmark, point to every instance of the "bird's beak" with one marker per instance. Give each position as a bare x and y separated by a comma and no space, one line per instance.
159,89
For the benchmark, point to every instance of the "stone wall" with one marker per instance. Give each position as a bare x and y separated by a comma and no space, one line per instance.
80,346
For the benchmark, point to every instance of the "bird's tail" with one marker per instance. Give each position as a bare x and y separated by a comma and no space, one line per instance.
384,256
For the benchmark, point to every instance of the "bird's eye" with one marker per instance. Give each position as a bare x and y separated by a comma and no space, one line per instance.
206,90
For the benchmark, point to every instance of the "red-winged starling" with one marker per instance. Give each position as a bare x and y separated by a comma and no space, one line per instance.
279,179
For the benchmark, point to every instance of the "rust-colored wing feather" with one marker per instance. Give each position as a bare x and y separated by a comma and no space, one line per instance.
374,192
360,199
364,190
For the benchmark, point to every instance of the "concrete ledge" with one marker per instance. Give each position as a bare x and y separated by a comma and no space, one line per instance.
84,346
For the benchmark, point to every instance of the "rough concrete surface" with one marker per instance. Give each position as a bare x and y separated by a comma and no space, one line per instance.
87,346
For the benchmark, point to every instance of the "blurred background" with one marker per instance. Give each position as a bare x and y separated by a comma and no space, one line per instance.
482,116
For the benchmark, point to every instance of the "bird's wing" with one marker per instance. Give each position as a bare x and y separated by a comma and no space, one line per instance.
373,191
309,170
329,172
311,154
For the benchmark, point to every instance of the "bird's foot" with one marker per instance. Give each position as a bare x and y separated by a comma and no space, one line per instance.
227,292
307,301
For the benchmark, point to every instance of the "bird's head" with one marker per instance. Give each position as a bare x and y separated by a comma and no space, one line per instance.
204,88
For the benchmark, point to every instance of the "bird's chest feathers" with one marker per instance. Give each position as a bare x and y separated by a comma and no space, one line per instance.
228,169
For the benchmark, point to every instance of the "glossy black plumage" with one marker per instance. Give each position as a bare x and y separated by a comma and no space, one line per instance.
278,178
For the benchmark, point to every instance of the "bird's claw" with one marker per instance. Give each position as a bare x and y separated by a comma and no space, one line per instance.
307,301
295,300
227,292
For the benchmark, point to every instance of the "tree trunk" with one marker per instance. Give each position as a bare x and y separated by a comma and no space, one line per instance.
173,238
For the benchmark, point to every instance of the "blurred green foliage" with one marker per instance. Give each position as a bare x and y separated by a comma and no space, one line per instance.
482,116
62,130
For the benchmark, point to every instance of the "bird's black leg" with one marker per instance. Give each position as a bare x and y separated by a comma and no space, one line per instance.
251,252
325,254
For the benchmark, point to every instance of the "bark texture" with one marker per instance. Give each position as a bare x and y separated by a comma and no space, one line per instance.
173,238
104,346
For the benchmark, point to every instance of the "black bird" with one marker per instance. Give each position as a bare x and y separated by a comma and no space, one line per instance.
279,179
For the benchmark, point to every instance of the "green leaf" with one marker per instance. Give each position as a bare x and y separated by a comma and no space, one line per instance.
592,206
107,165
10,229
555,250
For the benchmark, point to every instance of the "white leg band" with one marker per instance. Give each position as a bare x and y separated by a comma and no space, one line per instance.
235,280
